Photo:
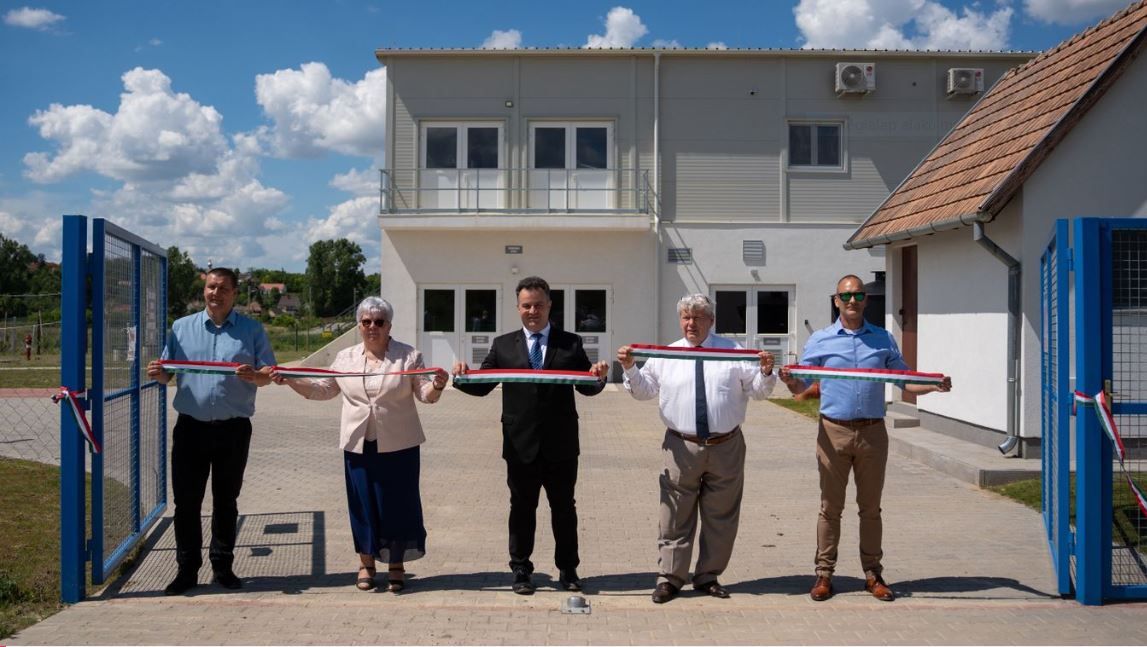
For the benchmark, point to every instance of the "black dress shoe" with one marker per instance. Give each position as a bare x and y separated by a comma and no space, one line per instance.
523,585
184,581
569,580
713,588
228,580
664,593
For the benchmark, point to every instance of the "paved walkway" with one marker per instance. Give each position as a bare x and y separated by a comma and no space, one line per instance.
970,567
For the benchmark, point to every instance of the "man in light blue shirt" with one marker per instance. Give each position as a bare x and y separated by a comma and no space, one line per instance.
851,433
213,432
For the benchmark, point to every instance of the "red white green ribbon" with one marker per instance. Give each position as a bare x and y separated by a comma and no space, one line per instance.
864,374
320,373
518,375
1107,422
73,402
695,353
207,368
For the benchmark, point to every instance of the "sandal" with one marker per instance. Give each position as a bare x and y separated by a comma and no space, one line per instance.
396,583
365,583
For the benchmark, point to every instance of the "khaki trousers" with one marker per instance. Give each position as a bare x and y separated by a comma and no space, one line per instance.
706,480
864,451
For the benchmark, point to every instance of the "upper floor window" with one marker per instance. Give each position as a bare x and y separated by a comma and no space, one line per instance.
570,166
462,166
817,145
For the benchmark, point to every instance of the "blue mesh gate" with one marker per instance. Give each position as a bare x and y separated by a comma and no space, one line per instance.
127,412
1099,551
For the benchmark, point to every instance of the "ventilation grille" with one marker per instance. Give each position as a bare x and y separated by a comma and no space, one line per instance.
753,252
680,255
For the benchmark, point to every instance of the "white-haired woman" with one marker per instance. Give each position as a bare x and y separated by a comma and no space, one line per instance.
380,437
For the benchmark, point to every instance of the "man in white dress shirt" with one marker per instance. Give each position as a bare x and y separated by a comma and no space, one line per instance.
702,405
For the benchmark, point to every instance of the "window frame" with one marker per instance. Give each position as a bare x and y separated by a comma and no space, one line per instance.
461,127
571,127
842,136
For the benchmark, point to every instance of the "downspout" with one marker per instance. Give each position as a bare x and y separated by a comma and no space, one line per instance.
1014,294
655,201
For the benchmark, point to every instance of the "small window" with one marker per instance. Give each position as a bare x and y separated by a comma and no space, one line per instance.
550,148
732,312
481,306
442,147
816,145
438,311
772,313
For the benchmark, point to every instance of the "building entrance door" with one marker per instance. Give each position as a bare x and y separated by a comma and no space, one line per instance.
458,323
759,317
585,310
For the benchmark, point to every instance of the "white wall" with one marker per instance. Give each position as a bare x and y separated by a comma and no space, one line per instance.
809,257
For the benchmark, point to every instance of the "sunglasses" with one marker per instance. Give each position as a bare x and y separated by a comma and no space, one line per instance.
845,296
378,323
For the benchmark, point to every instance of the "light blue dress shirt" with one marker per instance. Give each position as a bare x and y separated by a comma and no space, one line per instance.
839,347
197,338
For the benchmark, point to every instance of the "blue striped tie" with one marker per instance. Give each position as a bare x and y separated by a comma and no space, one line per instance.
536,351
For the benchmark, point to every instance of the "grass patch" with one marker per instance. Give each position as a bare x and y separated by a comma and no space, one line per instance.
809,408
1127,518
29,543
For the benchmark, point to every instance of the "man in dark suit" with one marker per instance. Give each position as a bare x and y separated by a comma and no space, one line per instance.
539,431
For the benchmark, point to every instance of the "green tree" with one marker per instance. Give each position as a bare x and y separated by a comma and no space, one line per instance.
183,282
334,275
20,275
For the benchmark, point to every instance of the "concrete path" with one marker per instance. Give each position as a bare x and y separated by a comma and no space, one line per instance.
970,567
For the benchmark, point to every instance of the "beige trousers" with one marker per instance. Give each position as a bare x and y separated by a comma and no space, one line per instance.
863,450
699,480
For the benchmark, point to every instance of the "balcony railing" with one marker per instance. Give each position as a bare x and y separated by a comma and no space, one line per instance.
514,191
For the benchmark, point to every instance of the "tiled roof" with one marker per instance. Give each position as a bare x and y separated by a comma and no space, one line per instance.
974,171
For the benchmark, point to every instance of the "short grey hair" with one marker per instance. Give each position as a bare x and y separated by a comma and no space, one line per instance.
693,303
374,304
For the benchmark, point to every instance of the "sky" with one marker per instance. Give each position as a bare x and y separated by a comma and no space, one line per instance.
242,131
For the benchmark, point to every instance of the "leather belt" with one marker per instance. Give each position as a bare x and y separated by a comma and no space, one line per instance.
708,442
855,422
211,423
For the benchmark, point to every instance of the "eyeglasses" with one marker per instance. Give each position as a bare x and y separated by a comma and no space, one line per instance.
378,323
845,296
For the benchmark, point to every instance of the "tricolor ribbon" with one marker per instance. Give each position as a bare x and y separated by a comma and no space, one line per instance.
208,368
1107,422
320,373
864,374
73,402
692,352
506,375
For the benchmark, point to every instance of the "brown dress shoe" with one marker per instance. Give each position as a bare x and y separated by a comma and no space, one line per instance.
822,590
878,589
664,593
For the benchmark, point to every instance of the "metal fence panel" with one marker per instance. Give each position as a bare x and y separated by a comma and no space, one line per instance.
1055,403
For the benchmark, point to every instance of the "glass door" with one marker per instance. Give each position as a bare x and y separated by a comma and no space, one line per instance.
462,167
757,317
587,315
458,323
571,167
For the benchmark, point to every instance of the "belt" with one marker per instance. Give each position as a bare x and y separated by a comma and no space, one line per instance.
855,422
211,423
708,442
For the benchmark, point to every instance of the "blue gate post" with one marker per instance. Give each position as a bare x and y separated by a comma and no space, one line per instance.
73,338
99,303
1092,453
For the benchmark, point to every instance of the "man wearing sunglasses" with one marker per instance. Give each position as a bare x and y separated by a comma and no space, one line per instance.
851,435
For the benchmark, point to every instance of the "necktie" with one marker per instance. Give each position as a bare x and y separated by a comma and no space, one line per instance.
536,351
702,404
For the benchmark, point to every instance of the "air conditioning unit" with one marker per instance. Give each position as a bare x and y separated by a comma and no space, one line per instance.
965,80
855,78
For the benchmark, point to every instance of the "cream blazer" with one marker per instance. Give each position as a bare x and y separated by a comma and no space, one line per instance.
392,412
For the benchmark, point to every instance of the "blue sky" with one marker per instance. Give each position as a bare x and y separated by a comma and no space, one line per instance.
244,130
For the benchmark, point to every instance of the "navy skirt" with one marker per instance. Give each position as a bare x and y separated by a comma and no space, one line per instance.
384,503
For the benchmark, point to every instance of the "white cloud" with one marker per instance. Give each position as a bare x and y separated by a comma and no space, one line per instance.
510,39
363,182
354,220
661,43
29,18
1072,12
717,45
155,134
623,28
313,113
900,24
11,226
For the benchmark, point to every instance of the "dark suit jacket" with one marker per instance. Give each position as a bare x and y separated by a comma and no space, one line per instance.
537,419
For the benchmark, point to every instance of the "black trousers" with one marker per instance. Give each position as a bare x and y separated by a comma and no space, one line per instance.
526,481
201,448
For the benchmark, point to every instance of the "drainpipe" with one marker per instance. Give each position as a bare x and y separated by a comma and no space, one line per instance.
655,199
1014,273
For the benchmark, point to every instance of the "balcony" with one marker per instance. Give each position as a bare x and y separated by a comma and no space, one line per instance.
515,198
